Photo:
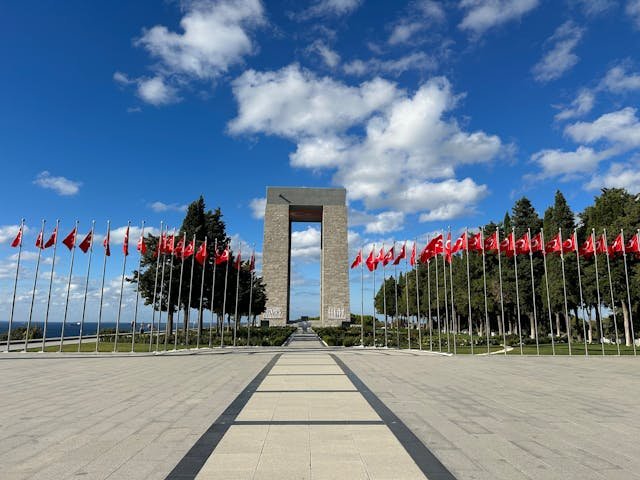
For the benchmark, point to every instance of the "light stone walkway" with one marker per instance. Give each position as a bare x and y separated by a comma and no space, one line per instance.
308,421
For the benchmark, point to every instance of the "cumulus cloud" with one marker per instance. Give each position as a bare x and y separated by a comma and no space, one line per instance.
214,36
377,223
376,138
619,175
305,244
580,106
330,57
617,80
413,61
9,232
620,129
258,206
483,15
160,207
568,165
61,185
560,58
421,16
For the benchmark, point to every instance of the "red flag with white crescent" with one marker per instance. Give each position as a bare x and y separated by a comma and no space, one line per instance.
142,246
522,245
358,260
189,250
412,259
201,254
402,254
554,245
371,262
536,243
70,240
491,242
569,244
52,239
587,248
85,244
222,257
18,240
125,243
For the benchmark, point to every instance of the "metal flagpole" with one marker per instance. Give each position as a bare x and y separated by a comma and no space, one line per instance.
177,322
224,301
466,247
170,288
429,303
438,304
564,289
213,290
584,327
164,262
454,319
446,299
613,304
46,315
35,283
235,313
252,267
397,318
15,285
502,319
200,318
104,271
384,298
626,276
487,332
406,295
86,285
595,259
66,304
373,323
124,267
417,299
533,293
546,281
135,312
188,306
155,288
515,267
362,297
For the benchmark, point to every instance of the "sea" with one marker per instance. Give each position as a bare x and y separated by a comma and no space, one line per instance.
72,329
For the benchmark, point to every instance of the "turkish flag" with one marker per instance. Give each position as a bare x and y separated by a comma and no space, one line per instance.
447,248
587,248
222,257
570,244
401,255
238,263
412,259
491,242
52,239
358,260
18,240
371,262
141,247
475,242
201,254
522,245
86,242
70,240
633,246
434,247
553,245
189,249
252,262
39,240
461,244
125,243
169,244
617,246
105,244
536,243
178,250
388,257
601,245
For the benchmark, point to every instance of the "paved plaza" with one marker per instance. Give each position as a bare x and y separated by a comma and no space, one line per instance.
307,412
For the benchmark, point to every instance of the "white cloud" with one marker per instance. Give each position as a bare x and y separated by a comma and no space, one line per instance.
160,207
580,106
621,129
330,57
305,244
619,175
560,58
377,223
407,142
60,185
594,8
617,80
483,15
116,236
9,232
421,16
633,10
567,164
258,206
215,36
323,8
395,67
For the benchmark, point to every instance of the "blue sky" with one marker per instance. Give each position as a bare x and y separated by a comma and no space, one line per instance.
431,113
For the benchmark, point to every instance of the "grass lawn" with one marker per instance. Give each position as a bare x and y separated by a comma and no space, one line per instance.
576,349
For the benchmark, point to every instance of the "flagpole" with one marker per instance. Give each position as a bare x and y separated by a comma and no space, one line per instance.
170,288
613,304
466,247
533,292
406,295
46,315
235,313
502,319
397,318
374,299
384,297
626,276
564,290
252,267
155,288
429,301
454,319
15,285
135,312
66,304
487,332
200,318
177,322
104,271
164,262
362,297
584,327
446,297
515,266
188,309
546,281
438,305
213,290
224,300
417,297
124,267
86,286
595,258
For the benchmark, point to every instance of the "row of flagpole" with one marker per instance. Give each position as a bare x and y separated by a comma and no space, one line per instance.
526,245
166,246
